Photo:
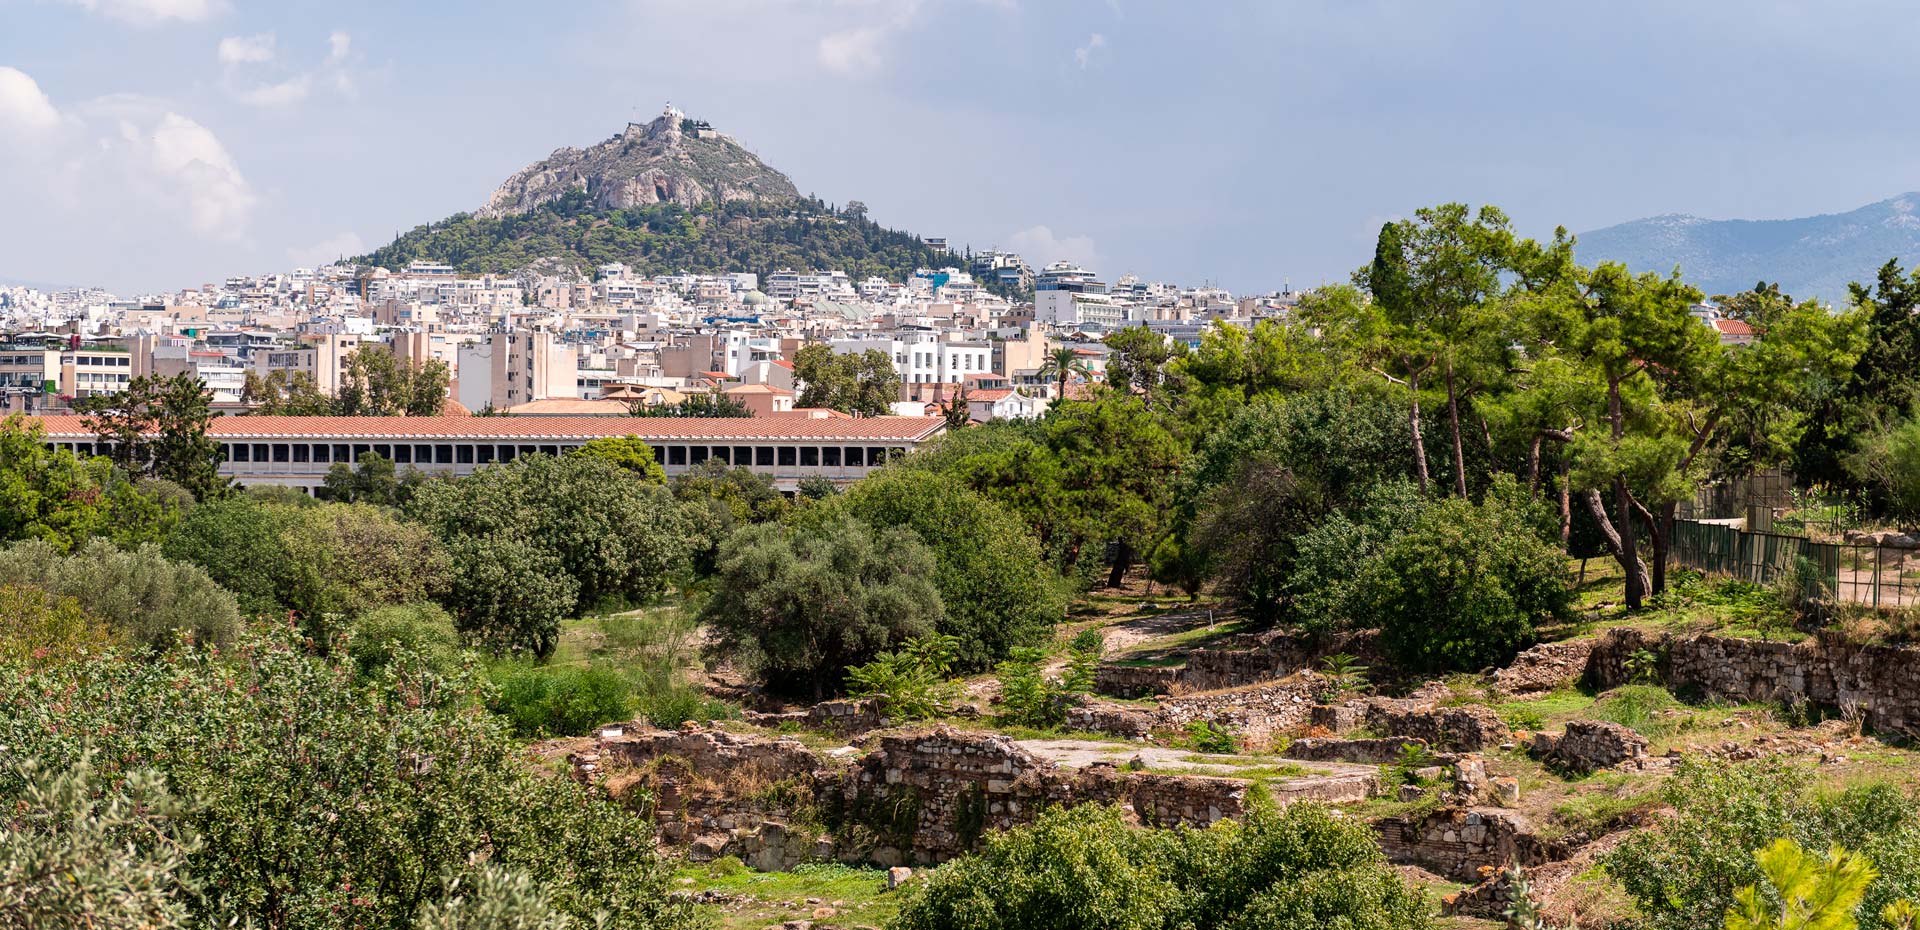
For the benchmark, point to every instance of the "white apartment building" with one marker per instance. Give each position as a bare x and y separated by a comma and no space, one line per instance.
1076,308
923,357
505,370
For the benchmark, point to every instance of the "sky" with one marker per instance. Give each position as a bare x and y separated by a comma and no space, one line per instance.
148,145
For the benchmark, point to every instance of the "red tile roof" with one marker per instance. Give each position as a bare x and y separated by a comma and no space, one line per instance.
781,427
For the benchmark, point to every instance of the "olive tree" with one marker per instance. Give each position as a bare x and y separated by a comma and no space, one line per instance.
801,606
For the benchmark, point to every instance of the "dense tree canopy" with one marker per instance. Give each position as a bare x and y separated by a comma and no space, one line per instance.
63,500
863,384
993,583
533,539
157,426
714,238
800,606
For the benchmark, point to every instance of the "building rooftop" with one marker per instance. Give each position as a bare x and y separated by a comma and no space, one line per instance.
796,426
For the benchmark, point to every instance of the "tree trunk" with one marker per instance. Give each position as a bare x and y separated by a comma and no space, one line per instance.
1566,508
1623,504
1660,532
1413,420
1453,427
1629,545
1533,468
1630,564
1122,560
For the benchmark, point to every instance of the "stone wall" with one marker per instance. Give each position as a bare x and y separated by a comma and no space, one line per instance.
1463,843
922,798
1882,681
1236,662
1112,719
1468,728
708,790
1211,669
1545,667
1388,751
1135,681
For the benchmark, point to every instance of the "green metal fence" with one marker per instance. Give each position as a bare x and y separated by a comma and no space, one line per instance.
1860,573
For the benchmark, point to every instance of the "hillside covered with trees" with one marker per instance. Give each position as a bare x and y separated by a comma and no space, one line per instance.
760,237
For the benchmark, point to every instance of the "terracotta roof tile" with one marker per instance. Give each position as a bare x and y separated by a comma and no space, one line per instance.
829,428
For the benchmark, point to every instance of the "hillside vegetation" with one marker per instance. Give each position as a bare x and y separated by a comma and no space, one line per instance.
760,237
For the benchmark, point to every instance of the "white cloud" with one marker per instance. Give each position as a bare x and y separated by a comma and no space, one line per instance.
327,250
1084,53
283,94
855,51
243,77
191,158
1039,246
122,160
236,50
152,12
23,106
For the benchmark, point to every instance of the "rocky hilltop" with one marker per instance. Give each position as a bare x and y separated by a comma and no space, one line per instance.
1813,256
670,160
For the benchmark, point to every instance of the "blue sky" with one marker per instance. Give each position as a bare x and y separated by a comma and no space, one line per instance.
150,144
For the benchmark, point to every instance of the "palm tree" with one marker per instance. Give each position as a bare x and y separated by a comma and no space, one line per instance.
1062,364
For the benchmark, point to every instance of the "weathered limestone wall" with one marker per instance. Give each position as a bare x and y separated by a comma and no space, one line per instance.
1882,681
921,797
927,797
1459,843
1235,663
1135,681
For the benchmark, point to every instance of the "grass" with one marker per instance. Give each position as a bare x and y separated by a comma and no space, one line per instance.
1601,804
858,896
1538,713
654,650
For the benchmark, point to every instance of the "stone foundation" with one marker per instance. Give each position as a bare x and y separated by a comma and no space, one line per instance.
1546,667
921,797
1465,844
1882,682
1590,745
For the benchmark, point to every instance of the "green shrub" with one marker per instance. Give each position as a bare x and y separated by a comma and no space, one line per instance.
1028,698
38,626
1084,868
799,606
423,630
994,585
540,537
82,851
544,700
1685,874
1889,462
322,799
1462,589
140,593
1524,718
238,541
910,684
1204,736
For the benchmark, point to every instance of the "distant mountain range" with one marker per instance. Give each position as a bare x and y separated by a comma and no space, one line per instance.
1815,256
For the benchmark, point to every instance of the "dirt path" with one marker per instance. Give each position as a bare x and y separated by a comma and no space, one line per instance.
1131,634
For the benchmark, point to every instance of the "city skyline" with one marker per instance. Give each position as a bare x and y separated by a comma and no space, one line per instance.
166,143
